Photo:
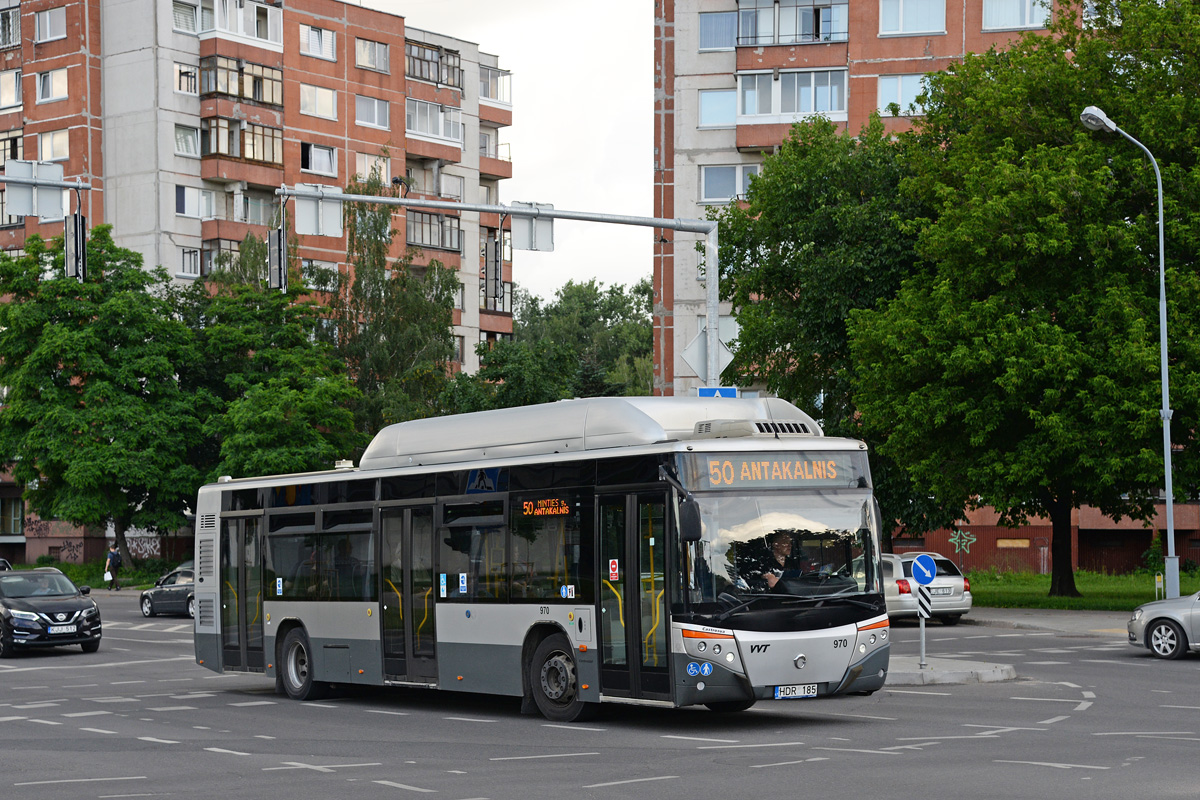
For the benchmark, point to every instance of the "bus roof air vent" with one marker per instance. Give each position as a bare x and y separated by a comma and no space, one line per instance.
740,428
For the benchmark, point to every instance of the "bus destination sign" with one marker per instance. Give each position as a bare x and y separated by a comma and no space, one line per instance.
845,469
546,507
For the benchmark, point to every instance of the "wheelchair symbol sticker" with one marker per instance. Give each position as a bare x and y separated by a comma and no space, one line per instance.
693,669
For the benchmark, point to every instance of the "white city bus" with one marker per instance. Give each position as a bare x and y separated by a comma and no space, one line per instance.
659,551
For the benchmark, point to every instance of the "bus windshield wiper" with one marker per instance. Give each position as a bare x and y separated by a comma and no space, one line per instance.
747,602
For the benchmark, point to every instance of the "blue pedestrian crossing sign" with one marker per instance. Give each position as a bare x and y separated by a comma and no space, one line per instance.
718,391
924,569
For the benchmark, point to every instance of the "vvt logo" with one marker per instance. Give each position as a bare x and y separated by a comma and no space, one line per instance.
759,648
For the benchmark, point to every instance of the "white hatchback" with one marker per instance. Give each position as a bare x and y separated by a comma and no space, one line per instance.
950,591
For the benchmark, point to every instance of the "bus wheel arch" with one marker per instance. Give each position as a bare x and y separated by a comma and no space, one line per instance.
552,677
295,666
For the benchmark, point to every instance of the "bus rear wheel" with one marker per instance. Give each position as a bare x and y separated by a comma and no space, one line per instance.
296,667
554,682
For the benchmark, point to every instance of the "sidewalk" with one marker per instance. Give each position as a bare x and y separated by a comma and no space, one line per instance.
906,671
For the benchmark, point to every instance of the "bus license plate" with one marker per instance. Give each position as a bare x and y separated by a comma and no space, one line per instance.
941,590
795,691
62,628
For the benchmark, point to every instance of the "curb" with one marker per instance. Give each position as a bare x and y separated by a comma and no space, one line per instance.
906,671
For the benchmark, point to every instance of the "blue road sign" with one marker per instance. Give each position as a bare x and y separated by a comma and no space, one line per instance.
718,391
693,669
924,569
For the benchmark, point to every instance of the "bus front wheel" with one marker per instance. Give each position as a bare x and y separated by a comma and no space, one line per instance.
297,667
554,681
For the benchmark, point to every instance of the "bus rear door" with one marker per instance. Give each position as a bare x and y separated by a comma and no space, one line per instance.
241,594
406,596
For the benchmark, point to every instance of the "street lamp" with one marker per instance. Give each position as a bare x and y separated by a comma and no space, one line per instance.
1096,120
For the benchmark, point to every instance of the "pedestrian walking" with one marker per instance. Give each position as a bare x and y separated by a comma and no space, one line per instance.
112,566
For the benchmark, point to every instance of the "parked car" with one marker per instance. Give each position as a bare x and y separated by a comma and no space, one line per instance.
1167,628
173,593
950,591
43,608
4,564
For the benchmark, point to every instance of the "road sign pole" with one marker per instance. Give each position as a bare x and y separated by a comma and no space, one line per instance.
924,569
922,664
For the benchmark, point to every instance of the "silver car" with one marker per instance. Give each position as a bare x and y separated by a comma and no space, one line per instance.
1167,628
950,592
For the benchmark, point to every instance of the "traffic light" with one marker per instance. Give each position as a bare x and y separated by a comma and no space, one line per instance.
75,246
276,260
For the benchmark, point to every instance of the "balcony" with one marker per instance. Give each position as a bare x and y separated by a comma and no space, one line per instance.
495,160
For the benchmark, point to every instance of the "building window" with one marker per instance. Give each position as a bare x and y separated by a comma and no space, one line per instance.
366,163
52,85
901,90
187,78
317,101
193,202
187,141
221,75
371,55
433,64
452,187
756,21
371,112
317,42
718,30
183,16
459,346
813,21
1015,14
912,16
317,274
217,137
10,27
433,230
431,119
8,220
189,262
756,94
720,184
50,24
262,84
812,92
495,85
10,88
256,210
318,158
718,108
53,146
12,516
11,146
260,143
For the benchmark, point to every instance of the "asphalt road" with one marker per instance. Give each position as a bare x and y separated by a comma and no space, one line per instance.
1087,717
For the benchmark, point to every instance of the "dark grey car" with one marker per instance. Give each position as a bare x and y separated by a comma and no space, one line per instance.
173,593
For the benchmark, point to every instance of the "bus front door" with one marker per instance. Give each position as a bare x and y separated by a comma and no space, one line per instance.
241,593
634,628
407,595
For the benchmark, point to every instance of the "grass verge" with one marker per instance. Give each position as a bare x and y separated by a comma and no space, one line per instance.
1098,592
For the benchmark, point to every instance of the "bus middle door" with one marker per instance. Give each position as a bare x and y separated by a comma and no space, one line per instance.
634,626
407,595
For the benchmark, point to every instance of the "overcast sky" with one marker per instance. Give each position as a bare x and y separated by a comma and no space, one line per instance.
581,138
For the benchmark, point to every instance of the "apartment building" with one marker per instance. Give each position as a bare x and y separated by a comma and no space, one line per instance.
731,76
185,116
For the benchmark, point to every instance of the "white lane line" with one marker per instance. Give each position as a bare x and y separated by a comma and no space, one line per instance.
175,680
1052,720
144,626
12,719
87,714
124,683
263,736
315,768
97,730
44,722
392,713
1045,699
223,750
110,665
998,728
1185,708
577,727
468,719
315,705
178,628
1049,764
80,686
912,691
700,739
789,763
634,780
1046,663
1084,706
860,716
859,750
548,755
740,746
172,708
113,699
395,785
42,704
1145,733
81,780
256,703
156,741
1090,695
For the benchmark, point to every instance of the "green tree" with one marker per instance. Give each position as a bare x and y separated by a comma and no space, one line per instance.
515,374
96,423
1021,370
821,234
393,319
272,398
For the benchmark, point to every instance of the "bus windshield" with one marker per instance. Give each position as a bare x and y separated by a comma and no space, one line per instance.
809,545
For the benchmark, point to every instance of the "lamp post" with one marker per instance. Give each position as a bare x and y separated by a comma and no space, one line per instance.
1096,120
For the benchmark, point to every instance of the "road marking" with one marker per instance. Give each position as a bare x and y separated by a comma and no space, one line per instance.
859,716
12,719
249,703
156,741
1090,695
178,628
549,755
318,705
97,730
44,722
634,780
1052,720
913,691
789,763
381,711
81,780
858,750
173,708
404,786
81,686
124,683
223,750
999,728
42,704
1045,699
110,665
467,719
1084,706
1185,708
740,746
175,680
1049,764
1046,663
87,714
330,768
1145,733
571,727
700,739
